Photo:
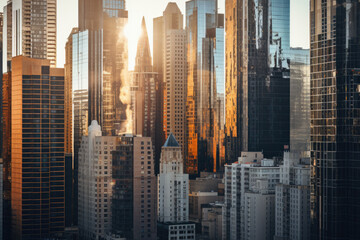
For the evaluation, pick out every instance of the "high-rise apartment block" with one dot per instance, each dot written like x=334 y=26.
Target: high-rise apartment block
x=95 y=184
x=257 y=77
x=249 y=186
x=170 y=62
x=38 y=141
x=30 y=30
x=292 y=199
x=134 y=205
x=173 y=184
x=335 y=118
x=205 y=68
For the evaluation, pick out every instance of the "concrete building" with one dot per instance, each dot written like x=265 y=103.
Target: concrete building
x=95 y=184
x=240 y=178
x=293 y=199
x=170 y=63
x=169 y=49
x=207 y=182
x=173 y=184
x=169 y=231
x=30 y=30
x=37 y=106
x=134 y=205
x=211 y=222
x=197 y=200
x=259 y=212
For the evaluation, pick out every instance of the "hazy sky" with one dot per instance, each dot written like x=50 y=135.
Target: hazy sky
x=68 y=11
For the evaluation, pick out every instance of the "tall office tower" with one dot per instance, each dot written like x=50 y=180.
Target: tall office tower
x=173 y=184
x=134 y=188
x=7 y=37
x=170 y=61
x=204 y=36
x=143 y=89
x=6 y=152
x=243 y=177
x=335 y=117
x=104 y=59
x=292 y=198
x=37 y=149
x=300 y=101
x=257 y=77
x=95 y=183
x=30 y=30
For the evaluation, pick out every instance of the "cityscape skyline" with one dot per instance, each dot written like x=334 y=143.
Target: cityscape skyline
x=191 y=119
x=68 y=19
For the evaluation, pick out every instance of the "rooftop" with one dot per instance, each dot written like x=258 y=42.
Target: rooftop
x=171 y=141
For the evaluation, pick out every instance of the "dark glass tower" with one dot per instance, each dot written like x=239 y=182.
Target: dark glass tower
x=335 y=119
x=38 y=149
x=257 y=77
x=205 y=34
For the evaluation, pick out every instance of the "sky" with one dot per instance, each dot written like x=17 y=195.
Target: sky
x=67 y=18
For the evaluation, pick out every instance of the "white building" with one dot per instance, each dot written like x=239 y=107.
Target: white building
x=259 y=217
x=173 y=184
x=95 y=183
x=293 y=199
x=240 y=178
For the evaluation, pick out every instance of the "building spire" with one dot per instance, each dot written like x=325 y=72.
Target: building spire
x=143 y=61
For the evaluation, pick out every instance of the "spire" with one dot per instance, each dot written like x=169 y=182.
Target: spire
x=171 y=141
x=143 y=56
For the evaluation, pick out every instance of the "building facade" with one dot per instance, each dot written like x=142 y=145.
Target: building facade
x=144 y=92
x=95 y=184
x=134 y=188
x=335 y=115
x=242 y=178
x=37 y=145
x=292 y=198
x=30 y=30
x=173 y=184
x=300 y=101
x=204 y=37
x=257 y=77
x=170 y=64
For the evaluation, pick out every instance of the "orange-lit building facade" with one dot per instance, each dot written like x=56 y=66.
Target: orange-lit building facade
x=38 y=142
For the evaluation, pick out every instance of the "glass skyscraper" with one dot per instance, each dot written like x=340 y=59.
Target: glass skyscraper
x=205 y=48
x=335 y=119
x=257 y=77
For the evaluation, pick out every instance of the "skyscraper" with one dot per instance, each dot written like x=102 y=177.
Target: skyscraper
x=95 y=188
x=173 y=184
x=32 y=30
x=204 y=28
x=170 y=63
x=300 y=101
x=104 y=48
x=38 y=149
x=134 y=188
x=257 y=77
x=143 y=89
x=335 y=118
